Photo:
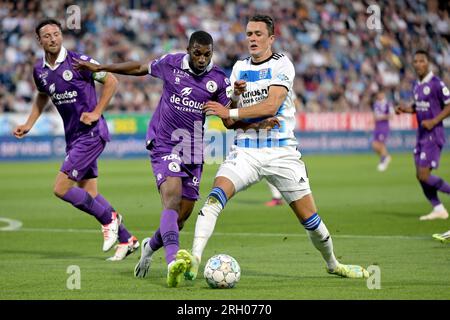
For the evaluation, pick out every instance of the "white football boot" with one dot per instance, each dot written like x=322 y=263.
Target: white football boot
x=435 y=214
x=141 y=268
x=125 y=249
x=382 y=166
x=111 y=231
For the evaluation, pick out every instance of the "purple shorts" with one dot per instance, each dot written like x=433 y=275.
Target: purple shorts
x=427 y=152
x=381 y=131
x=81 y=158
x=380 y=136
x=165 y=164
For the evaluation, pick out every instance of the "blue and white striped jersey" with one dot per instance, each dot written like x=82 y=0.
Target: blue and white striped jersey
x=277 y=70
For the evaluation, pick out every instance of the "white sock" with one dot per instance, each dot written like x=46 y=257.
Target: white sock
x=204 y=227
x=321 y=239
x=275 y=193
x=439 y=207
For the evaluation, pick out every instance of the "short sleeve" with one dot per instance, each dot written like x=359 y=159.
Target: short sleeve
x=443 y=94
x=391 y=109
x=86 y=74
x=98 y=76
x=225 y=92
x=156 y=67
x=233 y=76
x=38 y=82
x=283 y=74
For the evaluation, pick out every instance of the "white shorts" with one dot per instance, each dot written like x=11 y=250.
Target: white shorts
x=281 y=166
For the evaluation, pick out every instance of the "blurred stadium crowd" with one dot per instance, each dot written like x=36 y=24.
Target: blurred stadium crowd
x=339 y=61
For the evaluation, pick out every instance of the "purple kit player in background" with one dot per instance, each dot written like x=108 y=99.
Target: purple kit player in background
x=432 y=106
x=382 y=112
x=86 y=132
x=190 y=80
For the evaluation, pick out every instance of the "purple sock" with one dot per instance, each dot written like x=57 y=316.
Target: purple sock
x=124 y=235
x=83 y=201
x=169 y=233
x=156 y=241
x=439 y=184
x=431 y=194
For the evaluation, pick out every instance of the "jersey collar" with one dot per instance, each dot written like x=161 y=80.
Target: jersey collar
x=426 y=78
x=261 y=62
x=185 y=66
x=60 y=59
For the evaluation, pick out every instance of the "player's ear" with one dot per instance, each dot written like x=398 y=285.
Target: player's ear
x=272 y=38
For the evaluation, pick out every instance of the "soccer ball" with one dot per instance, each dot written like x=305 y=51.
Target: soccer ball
x=222 y=271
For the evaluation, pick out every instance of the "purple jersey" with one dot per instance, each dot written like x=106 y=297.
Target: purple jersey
x=72 y=92
x=179 y=115
x=430 y=97
x=382 y=108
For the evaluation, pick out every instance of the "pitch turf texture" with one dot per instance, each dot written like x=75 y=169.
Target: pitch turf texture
x=372 y=216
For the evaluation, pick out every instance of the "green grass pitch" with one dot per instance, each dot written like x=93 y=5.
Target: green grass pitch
x=372 y=216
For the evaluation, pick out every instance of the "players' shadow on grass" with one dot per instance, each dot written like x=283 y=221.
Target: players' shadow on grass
x=397 y=213
x=247 y=201
x=280 y=277
x=44 y=254
x=153 y=278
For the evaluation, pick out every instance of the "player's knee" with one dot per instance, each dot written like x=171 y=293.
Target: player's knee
x=173 y=202
x=422 y=176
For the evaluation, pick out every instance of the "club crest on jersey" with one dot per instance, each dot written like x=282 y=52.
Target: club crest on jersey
x=174 y=167
x=426 y=90
x=445 y=91
x=67 y=75
x=211 y=86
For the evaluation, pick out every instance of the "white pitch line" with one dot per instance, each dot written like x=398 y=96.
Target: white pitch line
x=241 y=234
x=13 y=225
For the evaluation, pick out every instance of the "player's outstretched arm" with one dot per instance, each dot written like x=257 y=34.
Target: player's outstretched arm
x=266 y=108
x=131 y=68
x=382 y=117
x=404 y=109
x=36 y=110
x=110 y=83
